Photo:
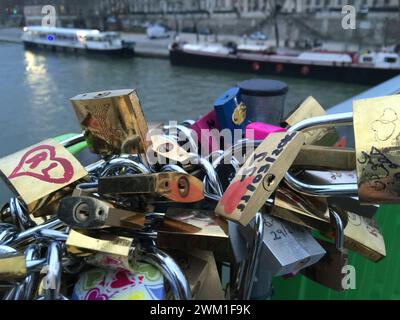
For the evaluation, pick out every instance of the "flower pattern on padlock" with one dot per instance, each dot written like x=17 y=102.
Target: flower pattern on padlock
x=144 y=283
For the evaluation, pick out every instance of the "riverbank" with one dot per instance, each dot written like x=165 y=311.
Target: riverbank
x=158 y=48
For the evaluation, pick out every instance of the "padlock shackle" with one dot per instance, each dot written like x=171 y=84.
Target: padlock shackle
x=321 y=190
x=73 y=140
x=338 y=119
x=331 y=190
x=159 y=259
x=339 y=228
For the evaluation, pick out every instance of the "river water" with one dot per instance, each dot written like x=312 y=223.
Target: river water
x=36 y=87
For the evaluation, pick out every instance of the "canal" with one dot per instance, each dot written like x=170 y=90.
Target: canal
x=36 y=87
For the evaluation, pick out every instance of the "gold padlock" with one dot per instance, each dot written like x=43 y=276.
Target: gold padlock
x=113 y=121
x=310 y=108
x=259 y=177
x=362 y=235
x=176 y=186
x=83 y=245
x=377 y=122
x=12 y=266
x=321 y=157
x=38 y=173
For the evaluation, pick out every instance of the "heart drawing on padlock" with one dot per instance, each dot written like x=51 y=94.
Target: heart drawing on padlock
x=234 y=194
x=42 y=155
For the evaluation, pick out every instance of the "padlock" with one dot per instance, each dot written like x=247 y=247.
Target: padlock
x=362 y=235
x=320 y=157
x=83 y=245
x=260 y=130
x=167 y=150
x=231 y=112
x=310 y=212
x=199 y=229
x=37 y=172
x=310 y=108
x=175 y=186
x=375 y=154
x=113 y=121
x=14 y=265
x=90 y=213
x=329 y=270
x=287 y=248
x=259 y=177
x=351 y=204
x=195 y=266
x=207 y=129
x=377 y=148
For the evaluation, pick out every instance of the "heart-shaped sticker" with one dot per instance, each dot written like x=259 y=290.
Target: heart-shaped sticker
x=42 y=155
x=234 y=194
x=121 y=279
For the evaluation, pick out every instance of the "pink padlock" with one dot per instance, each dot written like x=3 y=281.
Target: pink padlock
x=260 y=130
x=203 y=128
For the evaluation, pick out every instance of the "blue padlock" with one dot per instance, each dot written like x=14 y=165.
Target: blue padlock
x=231 y=111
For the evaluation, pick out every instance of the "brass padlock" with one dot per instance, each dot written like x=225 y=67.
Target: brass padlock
x=363 y=236
x=167 y=149
x=16 y=266
x=376 y=127
x=310 y=108
x=175 y=186
x=310 y=212
x=113 y=121
x=259 y=177
x=320 y=157
x=377 y=122
x=84 y=245
x=195 y=266
x=38 y=172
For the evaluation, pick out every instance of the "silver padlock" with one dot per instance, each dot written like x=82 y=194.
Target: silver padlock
x=287 y=248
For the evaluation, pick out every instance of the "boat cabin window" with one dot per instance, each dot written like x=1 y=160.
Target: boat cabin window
x=367 y=59
x=391 y=59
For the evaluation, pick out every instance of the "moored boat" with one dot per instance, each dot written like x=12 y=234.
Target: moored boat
x=76 y=40
x=369 y=68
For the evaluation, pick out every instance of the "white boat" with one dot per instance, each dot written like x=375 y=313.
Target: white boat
x=75 y=40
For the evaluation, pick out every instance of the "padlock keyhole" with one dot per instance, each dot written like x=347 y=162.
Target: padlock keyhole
x=268 y=181
x=81 y=213
x=183 y=186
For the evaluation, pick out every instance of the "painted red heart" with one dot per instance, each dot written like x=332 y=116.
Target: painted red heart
x=234 y=194
x=37 y=158
x=95 y=294
x=121 y=279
